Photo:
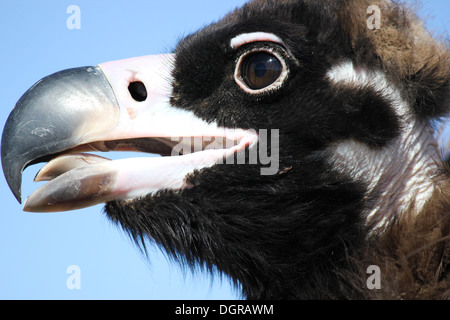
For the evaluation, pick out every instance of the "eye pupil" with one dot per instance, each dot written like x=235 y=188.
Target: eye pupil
x=260 y=70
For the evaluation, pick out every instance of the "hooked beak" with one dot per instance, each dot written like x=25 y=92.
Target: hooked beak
x=116 y=106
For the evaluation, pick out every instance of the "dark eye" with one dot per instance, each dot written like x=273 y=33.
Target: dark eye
x=258 y=70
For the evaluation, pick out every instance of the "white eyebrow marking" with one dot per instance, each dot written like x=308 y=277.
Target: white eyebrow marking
x=245 y=38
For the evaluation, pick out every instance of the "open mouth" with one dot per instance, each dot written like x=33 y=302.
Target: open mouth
x=79 y=157
x=78 y=179
x=65 y=117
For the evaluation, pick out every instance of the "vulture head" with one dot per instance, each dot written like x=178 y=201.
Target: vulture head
x=296 y=142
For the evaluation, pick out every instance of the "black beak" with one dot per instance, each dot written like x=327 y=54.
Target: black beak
x=46 y=119
x=116 y=106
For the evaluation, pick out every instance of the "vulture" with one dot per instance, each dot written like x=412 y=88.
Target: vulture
x=296 y=142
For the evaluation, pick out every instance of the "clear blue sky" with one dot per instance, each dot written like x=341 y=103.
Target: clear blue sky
x=36 y=249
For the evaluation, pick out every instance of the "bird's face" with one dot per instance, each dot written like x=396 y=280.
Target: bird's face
x=225 y=89
x=229 y=87
x=278 y=125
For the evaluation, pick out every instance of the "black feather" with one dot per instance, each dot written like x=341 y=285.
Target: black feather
x=300 y=233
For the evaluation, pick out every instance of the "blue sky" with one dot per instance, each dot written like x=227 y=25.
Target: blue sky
x=36 y=249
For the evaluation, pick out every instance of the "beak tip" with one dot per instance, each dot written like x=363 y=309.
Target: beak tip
x=19 y=198
x=12 y=171
x=16 y=189
x=15 y=185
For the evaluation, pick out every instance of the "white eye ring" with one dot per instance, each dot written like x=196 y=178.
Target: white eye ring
x=274 y=85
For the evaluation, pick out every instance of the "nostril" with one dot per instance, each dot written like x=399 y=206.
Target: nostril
x=138 y=91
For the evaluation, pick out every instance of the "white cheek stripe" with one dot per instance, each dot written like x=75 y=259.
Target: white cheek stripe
x=246 y=38
x=402 y=172
x=346 y=73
